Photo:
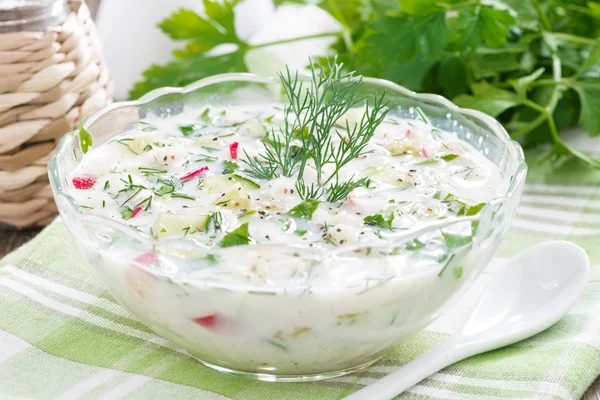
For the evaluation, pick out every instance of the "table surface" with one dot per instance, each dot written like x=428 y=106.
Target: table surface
x=10 y=240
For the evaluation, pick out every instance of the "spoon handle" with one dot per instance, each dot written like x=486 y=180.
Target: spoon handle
x=439 y=357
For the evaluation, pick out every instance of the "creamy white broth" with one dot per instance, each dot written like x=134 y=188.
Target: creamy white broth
x=409 y=178
x=341 y=289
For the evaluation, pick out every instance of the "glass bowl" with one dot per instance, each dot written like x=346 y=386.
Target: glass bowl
x=303 y=330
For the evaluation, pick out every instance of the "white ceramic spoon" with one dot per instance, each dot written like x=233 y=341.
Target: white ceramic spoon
x=531 y=293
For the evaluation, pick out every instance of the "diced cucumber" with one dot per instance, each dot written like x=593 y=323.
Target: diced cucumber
x=224 y=183
x=211 y=141
x=236 y=197
x=390 y=174
x=253 y=128
x=178 y=225
x=141 y=142
x=404 y=146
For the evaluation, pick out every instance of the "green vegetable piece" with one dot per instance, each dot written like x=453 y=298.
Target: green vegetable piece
x=445 y=157
x=85 y=138
x=300 y=331
x=473 y=210
x=126 y=213
x=247 y=213
x=230 y=167
x=414 y=245
x=236 y=237
x=380 y=220
x=458 y=272
x=187 y=130
x=205 y=116
x=245 y=181
x=456 y=241
x=449 y=157
x=304 y=210
x=276 y=344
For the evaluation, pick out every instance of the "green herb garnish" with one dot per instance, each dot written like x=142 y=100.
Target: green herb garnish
x=182 y=196
x=237 y=237
x=215 y=220
x=276 y=344
x=458 y=272
x=205 y=116
x=433 y=160
x=230 y=167
x=151 y=171
x=314 y=110
x=206 y=158
x=305 y=209
x=384 y=221
x=187 y=130
x=473 y=210
x=85 y=138
x=247 y=213
x=125 y=143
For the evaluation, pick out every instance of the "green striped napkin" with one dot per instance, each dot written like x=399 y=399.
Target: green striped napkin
x=63 y=337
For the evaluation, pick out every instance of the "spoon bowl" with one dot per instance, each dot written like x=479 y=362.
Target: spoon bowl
x=531 y=293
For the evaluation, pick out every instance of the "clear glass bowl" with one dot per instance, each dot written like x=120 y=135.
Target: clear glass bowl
x=300 y=331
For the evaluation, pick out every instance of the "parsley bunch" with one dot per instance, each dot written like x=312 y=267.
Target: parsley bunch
x=533 y=64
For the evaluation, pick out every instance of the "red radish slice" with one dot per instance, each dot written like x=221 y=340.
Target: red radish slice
x=424 y=152
x=147 y=258
x=233 y=150
x=135 y=211
x=84 y=182
x=194 y=174
x=208 y=321
x=219 y=323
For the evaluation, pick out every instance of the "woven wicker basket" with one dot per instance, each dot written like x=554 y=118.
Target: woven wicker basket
x=48 y=81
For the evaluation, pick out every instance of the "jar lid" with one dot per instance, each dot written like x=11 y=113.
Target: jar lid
x=31 y=15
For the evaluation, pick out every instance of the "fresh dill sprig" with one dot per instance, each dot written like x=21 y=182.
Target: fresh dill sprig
x=339 y=191
x=310 y=120
x=216 y=220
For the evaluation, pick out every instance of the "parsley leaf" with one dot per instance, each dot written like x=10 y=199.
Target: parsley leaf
x=305 y=209
x=187 y=68
x=187 y=130
x=473 y=210
x=194 y=63
x=489 y=99
x=589 y=95
x=236 y=237
x=85 y=138
x=455 y=241
x=207 y=32
x=380 y=220
x=230 y=167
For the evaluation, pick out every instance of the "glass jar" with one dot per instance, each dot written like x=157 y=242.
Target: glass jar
x=31 y=15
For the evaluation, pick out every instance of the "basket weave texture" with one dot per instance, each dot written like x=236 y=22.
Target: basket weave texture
x=48 y=81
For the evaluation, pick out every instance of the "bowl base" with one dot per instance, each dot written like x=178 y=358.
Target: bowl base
x=266 y=377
